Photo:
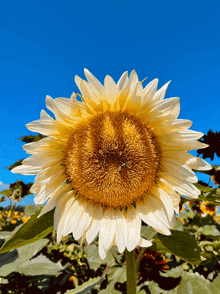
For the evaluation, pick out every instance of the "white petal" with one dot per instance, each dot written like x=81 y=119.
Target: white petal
x=122 y=81
x=149 y=92
x=107 y=228
x=45 y=144
x=94 y=82
x=60 y=207
x=133 y=79
x=44 y=159
x=155 y=218
x=45 y=116
x=111 y=90
x=144 y=243
x=181 y=185
x=66 y=208
x=49 y=128
x=95 y=226
x=75 y=209
x=27 y=170
x=88 y=95
x=59 y=192
x=160 y=94
x=175 y=197
x=159 y=196
x=134 y=228
x=136 y=98
x=181 y=145
x=121 y=231
x=159 y=109
x=83 y=221
x=176 y=167
x=198 y=163
x=128 y=89
x=171 y=126
x=50 y=174
x=185 y=135
x=102 y=251
x=78 y=215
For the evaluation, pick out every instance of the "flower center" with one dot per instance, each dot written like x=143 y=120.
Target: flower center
x=112 y=159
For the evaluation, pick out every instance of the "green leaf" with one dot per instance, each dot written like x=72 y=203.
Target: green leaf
x=179 y=225
x=17 y=163
x=31 y=209
x=209 y=194
x=93 y=257
x=155 y=289
x=31 y=138
x=175 y=272
x=180 y=244
x=191 y=283
x=2 y=199
x=5 y=192
x=209 y=231
x=115 y=275
x=196 y=283
x=216 y=285
x=86 y=287
x=147 y=232
x=40 y=265
x=24 y=254
x=204 y=188
x=8 y=257
x=34 y=229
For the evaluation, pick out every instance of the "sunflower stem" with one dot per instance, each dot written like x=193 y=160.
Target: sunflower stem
x=131 y=272
x=139 y=259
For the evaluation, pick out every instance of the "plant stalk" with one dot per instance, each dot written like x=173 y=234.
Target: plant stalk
x=131 y=272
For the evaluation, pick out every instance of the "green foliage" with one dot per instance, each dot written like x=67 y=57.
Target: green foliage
x=116 y=276
x=86 y=287
x=35 y=229
x=5 y=192
x=17 y=163
x=179 y=243
x=209 y=231
x=40 y=265
x=94 y=259
x=190 y=283
x=2 y=199
x=31 y=209
x=209 y=194
x=147 y=232
x=22 y=255
x=31 y=138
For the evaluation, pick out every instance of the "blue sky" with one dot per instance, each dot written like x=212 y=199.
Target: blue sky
x=46 y=43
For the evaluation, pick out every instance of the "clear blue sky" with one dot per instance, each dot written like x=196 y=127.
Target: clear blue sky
x=46 y=43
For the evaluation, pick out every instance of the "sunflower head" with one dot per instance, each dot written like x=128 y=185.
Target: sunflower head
x=17 y=191
x=195 y=207
x=113 y=159
x=151 y=263
x=208 y=207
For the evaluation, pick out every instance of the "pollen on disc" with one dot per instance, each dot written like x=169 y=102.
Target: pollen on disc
x=112 y=159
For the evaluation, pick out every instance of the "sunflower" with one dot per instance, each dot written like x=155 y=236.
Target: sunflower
x=151 y=263
x=195 y=207
x=208 y=207
x=114 y=159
